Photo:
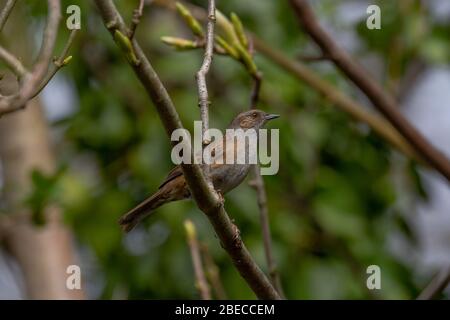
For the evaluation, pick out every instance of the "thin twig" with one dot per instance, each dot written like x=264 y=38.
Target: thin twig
x=46 y=53
x=258 y=184
x=317 y=58
x=4 y=15
x=438 y=284
x=33 y=79
x=256 y=89
x=13 y=63
x=362 y=79
x=360 y=113
x=206 y=199
x=58 y=63
x=344 y=102
x=212 y=272
x=203 y=99
x=67 y=46
x=200 y=279
x=137 y=15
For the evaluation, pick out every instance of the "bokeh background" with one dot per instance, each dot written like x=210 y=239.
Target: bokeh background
x=342 y=200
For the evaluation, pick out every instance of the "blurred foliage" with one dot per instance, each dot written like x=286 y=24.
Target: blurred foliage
x=333 y=205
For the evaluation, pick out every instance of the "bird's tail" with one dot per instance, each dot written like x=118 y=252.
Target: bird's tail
x=129 y=220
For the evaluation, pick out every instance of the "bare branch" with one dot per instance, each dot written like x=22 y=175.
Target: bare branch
x=60 y=62
x=4 y=15
x=206 y=199
x=45 y=55
x=203 y=98
x=65 y=50
x=258 y=184
x=256 y=89
x=360 y=113
x=13 y=63
x=137 y=15
x=379 y=125
x=361 y=78
x=201 y=283
x=316 y=58
x=32 y=80
x=438 y=284
x=212 y=272
x=201 y=74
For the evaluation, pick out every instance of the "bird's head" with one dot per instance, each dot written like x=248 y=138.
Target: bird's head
x=253 y=119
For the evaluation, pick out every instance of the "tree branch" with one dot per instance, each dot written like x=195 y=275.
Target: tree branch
x=438 y=284
x=378 y=124
x=312 y=58
x=33 y=79
x=203 y=99
x=383 y=128
x=60 y=62
x=137 y=15
x=13 y=63
x=46 y=52
x=258 y=184
x=256 y=89
x=4 y=15
x=200 y=279
x=212 y=271
x=207 y=200
x=362 y=79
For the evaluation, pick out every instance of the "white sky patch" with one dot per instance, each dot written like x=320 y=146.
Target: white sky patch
x=59 y=98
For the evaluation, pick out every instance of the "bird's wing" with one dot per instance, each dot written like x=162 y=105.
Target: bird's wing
x=219 y=154
x=174 y=173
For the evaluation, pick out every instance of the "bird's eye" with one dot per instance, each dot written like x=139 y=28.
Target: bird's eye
x=254 y=114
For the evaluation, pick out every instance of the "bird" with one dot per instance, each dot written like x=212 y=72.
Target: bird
x=225 y=177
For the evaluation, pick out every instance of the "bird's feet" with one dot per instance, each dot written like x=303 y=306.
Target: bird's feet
x=221 y=197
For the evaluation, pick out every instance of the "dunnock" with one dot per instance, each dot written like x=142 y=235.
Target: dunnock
x=225 y=177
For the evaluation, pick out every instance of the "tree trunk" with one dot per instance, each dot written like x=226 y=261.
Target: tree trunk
x=43 y=252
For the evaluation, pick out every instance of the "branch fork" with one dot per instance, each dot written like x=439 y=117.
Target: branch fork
x=206 y=199
x=32 y=82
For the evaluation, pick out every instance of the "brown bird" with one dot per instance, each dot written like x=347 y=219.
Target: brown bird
x=225 y=177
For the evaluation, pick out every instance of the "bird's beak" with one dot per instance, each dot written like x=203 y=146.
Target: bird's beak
x=271 y=116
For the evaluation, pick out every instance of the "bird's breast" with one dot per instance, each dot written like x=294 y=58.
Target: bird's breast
x=228 y=176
